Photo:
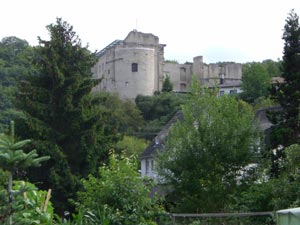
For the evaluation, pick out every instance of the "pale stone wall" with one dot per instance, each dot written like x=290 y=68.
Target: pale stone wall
x=180 y=75
x=130 y=84
x=114 y=66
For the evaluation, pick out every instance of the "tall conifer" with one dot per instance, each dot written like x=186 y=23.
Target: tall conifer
x=288 y=92
x=60 y=114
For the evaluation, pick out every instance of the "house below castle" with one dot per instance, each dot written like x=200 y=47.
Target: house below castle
x=136 y=66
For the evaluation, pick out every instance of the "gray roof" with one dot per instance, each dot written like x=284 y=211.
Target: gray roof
x=158 y=141
x=261 y=116
x=111 y=45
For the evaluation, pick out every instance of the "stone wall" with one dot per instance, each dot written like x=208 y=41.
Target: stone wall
x=115 y=64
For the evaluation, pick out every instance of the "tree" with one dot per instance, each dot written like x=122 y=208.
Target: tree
x=30 y=205
x=61 y=116
x=287 y=93
x=15 y=55
x=13 y=158
x=272 y=67
x=255 y=81
x=157 y=110
x=131 y=146
x=120 y=194
x=124 y=116
x=167 y=85
x=206 y=151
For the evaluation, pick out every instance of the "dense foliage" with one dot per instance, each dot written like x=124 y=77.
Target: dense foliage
x=255 y=81
x=206 y=152
x=61 y=116
x=279 y=179
x=30 y=205
x=287 y=93
x=15 y=57
x=12 y=160
x=157 y=110
x=167 y=85
x=120 y=194
x=207 y=162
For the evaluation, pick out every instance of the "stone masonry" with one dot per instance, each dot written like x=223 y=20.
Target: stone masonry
x=136 y=66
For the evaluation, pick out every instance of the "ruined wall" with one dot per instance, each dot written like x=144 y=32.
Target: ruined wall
x=180 y=75
x=115 y=66
x=115 y=63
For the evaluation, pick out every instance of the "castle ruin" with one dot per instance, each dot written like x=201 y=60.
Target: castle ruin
x=136 y=66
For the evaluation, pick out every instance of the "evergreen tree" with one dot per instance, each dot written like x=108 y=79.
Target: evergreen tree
x=288 y=92
x=167 y=85
x=12 y=159
x=61 y=116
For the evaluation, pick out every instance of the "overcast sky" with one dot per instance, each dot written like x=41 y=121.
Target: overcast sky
x=219 y=30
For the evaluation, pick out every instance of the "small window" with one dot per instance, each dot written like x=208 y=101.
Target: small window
x=222 y=77
x=108 y=71
x=232 y=92
x=134 y=67
x=221 y=93
x=126 y=84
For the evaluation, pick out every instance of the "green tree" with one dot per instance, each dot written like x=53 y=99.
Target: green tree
x=167 y=85
x=124 y=116
x=120 y=194
x=157 y=110
x=272 y=67
x=255 y=81
x=13 y=158
x=274 y=194
x=131 y=146
x=30 y=205
x=287 y=94
x=61 y=116
x=15 y=56
x=206 y=151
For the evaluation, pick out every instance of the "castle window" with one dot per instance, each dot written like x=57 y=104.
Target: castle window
x=222 y=77
x=126 y=84
x=134 y=67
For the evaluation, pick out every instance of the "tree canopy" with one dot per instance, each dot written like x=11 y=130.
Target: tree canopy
x=287 y=93
x=206 y=151
x=61 y=116
x=167 y=85
x=255 y=81
x=15 y=56
x=120 y=194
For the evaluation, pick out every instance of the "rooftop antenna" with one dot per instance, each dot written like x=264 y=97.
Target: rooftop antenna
x=136 y=24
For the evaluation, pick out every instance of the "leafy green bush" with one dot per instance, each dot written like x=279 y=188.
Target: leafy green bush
x=30 y=205
x=120 y=195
